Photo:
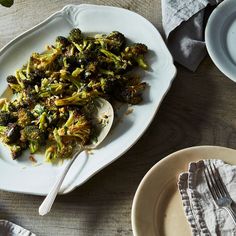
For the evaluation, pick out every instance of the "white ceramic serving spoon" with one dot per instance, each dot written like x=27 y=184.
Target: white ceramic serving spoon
x=104 y=113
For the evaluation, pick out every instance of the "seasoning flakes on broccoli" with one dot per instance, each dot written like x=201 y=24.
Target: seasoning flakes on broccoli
x=54 y=90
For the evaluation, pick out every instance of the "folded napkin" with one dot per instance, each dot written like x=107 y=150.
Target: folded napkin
x=184 y=22
x=10 y=229
x=204 y=217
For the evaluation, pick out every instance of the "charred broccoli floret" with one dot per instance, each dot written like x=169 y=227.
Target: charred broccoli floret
x=62 y=42
x=45 y=60
x=10 y=133
x=16 y=150
x=120 y=65
x=135 y=53
x=53 y=152
x=25 y=117
x=35 y=77
x=61 y=148
x=13 y=83
x=11 y=79
x=34 y=136
x=75 y=35
x=114 y=42
x=76 y=126
x=131 y=94
x=6 y=118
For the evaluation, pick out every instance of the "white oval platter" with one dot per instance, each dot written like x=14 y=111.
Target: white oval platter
x=20 y=175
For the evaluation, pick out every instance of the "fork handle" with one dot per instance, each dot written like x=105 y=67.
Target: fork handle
x=231 y=212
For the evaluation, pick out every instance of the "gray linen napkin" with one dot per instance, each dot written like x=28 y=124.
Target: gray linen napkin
x=183 y=22
x=204 y=217
x=10 y=229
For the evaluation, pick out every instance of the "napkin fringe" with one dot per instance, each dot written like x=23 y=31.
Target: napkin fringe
x=183 y=187
x=195 y=197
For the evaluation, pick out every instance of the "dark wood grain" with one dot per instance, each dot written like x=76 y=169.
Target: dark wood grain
x=200 y=109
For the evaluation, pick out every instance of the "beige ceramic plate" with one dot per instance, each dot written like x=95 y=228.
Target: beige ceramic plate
x=157 y=208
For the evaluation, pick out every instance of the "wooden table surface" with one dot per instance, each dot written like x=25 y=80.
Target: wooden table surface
x=199 y=109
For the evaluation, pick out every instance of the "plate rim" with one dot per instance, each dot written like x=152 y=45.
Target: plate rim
x=155 y=167
x=84 y=6
x=208 y=36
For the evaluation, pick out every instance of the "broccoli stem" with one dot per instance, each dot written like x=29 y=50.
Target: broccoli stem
x=33 y=146
x=70 y=120
x=141 y=62
x=42 y=121
x=110 y=55
x=79 y=98
x=57 y=139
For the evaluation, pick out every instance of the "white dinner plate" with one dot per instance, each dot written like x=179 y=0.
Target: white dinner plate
x=220 y=36
x=157 y=208
x=21 y=175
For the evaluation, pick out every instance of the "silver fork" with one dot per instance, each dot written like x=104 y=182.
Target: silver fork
x=218 y=190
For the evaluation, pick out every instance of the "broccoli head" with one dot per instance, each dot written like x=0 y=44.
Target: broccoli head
x=6 y=118
x=53 y=152
x=10 y=133
x=35 y=77
x=115 y=41
x=13 y=83
x=131 y=94
x=135 y=54
x=114 y=62
x=62 y=42
x=76 y=126
x=61 y=148
x=75 y=35
x=34 y=136
x=44 y=60
x=11 y=79
x=16 y=150
x=25 y=117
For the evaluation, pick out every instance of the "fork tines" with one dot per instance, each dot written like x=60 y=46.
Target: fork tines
x=214 y=181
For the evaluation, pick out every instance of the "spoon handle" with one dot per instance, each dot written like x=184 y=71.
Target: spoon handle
x=46 y=205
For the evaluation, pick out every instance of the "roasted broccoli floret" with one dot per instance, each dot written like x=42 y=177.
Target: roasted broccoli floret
x=11 y=79
x=76 y=130
x=45 y=60
x=135 y=53
x=13 y=83
x=61 y=148
x=34 y=136
x=62 y=42
x=25 y=117
x=54 y=153
x=16 y=150
x=131 y=94
x=9 y=133
x=114 y=42
x=35 y=77
x=75 y=35
x=6 y=118
x=120 y=65
x=76 y=126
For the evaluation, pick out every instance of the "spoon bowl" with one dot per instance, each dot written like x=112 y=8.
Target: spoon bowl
x=103 y=118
